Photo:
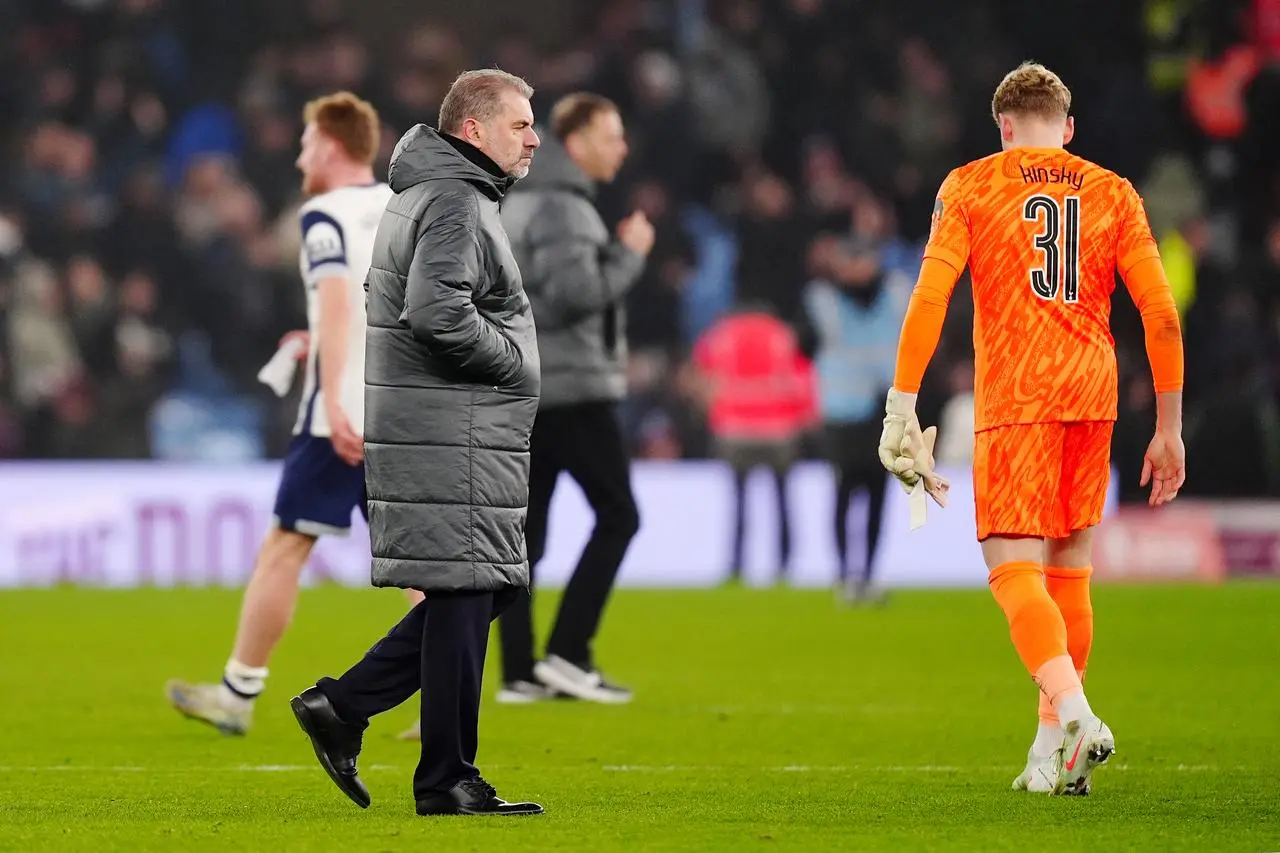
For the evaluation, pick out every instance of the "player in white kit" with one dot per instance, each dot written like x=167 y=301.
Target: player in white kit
x=323 y=477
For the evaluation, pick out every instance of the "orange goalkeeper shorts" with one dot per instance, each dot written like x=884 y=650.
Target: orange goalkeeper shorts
x=1042 y=480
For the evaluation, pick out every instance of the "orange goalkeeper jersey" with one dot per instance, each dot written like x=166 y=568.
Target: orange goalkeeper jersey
x=1043 y=233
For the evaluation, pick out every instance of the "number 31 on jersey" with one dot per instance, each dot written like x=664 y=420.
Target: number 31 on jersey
x=1059 y=241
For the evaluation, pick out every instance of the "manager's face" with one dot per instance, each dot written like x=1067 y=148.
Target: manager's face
x=508 y=137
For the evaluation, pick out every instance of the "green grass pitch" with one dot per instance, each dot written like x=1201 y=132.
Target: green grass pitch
x=764 y=720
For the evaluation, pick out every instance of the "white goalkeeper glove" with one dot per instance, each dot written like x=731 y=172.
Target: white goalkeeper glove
x=907 y=453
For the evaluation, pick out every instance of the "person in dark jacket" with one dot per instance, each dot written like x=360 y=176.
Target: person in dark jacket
x=577 y=278
x=452 y=380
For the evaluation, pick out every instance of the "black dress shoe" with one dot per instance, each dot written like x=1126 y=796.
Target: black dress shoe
x=337 y=744
x=474 y=797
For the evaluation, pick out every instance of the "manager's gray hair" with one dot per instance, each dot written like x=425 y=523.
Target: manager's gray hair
x=477 y=94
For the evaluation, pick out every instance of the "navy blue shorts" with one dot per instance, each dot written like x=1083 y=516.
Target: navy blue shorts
x=318 y=490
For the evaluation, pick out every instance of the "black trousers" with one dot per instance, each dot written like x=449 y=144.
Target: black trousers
x=744 y=456
x=439 y=648
x=851 y=448
x=584 y=440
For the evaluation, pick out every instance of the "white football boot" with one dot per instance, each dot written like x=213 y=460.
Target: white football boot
x=1040 y=774
x=1086 y=745
x=208 y=704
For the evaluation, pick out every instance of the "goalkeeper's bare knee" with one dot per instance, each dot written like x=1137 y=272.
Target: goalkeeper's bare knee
x=1072 y=551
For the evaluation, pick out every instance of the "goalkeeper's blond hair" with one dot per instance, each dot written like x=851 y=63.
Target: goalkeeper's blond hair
x=1031 y=90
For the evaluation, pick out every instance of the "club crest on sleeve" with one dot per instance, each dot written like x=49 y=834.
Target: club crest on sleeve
x=937 y=216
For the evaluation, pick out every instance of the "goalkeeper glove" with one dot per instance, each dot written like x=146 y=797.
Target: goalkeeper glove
x=899 y=415
x=907 y=454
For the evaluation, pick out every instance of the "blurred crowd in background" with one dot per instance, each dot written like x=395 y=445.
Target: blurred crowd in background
x=783 y=149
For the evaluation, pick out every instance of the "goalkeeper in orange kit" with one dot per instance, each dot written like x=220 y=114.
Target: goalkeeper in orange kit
x=1043 y=233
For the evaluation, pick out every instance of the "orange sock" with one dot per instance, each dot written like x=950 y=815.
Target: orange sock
x=1035 y=625
x=1069 y=588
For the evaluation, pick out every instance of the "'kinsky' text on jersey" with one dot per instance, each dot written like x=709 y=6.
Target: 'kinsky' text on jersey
x=1051 y=175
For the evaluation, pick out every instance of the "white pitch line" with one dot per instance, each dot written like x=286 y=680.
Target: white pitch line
x=818 y=710
x=607 y=768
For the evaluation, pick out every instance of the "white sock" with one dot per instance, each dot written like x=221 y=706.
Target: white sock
x=242 y=684
x=1048 y=740
x=1072 y=708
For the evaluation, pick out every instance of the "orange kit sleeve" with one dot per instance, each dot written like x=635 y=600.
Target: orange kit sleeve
x=1150 y=291
x=1138 y=260
x=922 y=327
x=945 y=256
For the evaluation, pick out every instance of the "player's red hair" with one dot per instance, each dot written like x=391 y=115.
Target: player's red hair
x=352 y=122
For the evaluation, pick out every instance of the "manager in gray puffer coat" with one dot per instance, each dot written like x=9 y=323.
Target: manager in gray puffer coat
x=451 y=389
x=577 y=276
x=451 y=377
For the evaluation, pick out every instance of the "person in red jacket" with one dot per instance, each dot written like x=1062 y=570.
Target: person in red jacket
x=760 y=400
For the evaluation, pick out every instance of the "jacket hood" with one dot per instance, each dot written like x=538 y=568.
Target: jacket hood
x=554 y=169
x=422 y=154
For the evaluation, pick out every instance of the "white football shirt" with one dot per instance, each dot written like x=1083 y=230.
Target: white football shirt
x=338 y=230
